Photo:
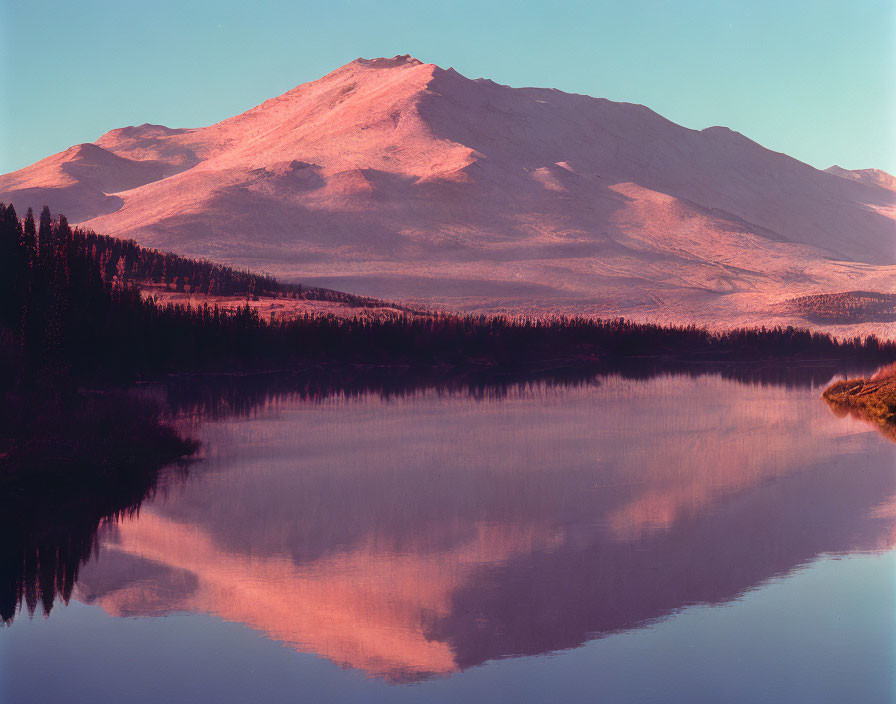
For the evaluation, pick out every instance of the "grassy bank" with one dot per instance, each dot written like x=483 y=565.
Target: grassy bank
x=873 y=399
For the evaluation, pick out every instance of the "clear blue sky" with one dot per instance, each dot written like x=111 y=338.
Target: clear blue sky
x=813 y=78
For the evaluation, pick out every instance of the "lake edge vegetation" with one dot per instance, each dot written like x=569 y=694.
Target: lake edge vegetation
x=872 y=399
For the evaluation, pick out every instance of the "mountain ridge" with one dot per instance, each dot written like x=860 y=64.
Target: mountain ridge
x=400 y=179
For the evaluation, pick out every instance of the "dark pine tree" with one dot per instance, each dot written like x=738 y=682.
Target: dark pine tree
x=45 y=232
x=29 y=238
x=10 y=266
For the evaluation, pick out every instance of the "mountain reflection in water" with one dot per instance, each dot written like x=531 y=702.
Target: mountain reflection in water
x=422 y=534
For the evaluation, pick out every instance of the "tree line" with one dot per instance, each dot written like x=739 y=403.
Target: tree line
x=71 y=311
x=126 y=261
x=846 y=307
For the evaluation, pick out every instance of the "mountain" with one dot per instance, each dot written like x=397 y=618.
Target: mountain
x=399 y=179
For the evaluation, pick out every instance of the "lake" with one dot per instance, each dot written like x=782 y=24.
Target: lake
x=677 y=538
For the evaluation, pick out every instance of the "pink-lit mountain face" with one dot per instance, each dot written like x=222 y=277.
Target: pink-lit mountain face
x=399 y=179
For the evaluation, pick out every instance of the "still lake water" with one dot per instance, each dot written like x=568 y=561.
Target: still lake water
x=675 y=539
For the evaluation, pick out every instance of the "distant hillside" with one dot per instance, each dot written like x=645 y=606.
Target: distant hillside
x=874 y=177
x=171 y=278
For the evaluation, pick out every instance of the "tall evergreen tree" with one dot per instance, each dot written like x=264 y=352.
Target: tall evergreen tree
x=29 y=238
x=10 y=294
x=45 y=232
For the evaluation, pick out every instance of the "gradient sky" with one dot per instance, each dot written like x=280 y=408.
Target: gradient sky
x=812 y=78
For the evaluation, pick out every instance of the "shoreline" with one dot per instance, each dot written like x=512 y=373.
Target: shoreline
x=872 y=399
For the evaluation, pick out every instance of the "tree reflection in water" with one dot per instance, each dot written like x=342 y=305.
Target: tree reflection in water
x=411 y=528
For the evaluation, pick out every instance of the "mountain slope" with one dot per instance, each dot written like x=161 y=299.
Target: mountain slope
x=390 y=177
